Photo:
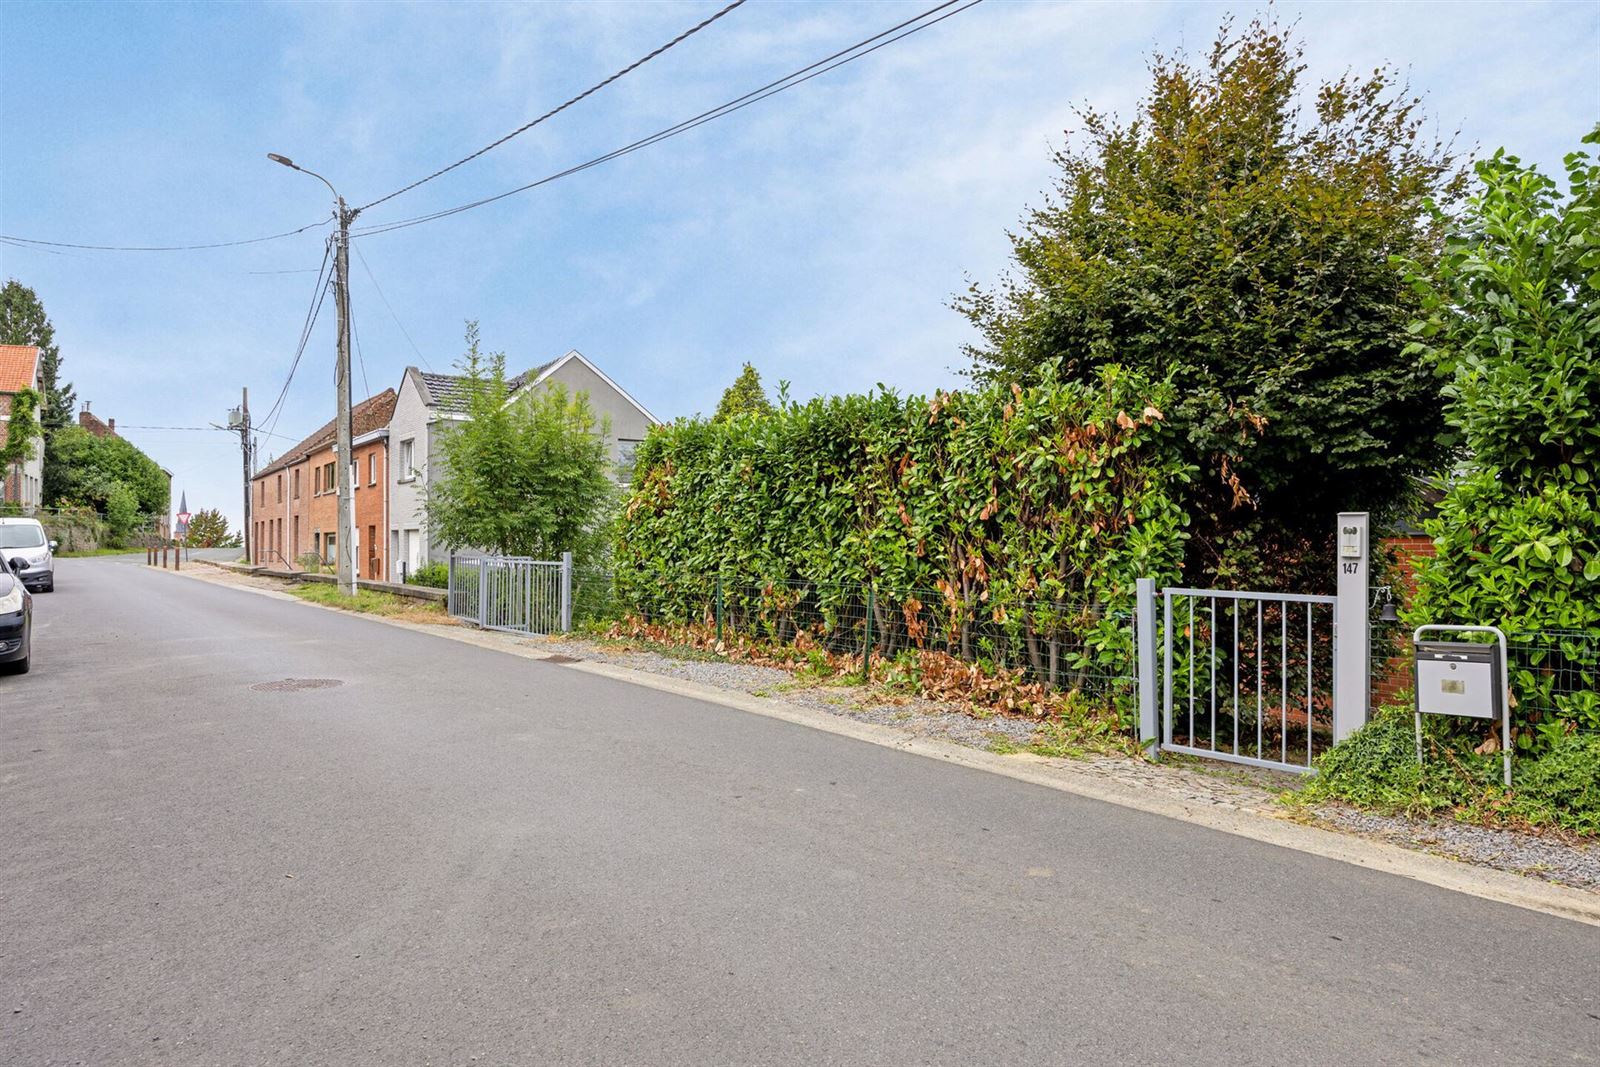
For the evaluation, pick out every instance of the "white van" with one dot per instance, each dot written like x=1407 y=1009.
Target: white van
x=23 y=539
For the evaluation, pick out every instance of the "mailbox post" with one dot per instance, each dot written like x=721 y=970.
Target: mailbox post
x=1464 y=678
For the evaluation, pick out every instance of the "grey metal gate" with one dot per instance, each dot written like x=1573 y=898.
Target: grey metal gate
x=512 y=593
x=1248 y=677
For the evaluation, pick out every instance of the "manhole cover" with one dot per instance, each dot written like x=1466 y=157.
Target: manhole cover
x=295 y=685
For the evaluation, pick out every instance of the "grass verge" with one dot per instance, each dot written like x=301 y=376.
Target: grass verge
x=372 y=602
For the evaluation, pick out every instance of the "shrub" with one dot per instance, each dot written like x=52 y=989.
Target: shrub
x=1512 y=314
x=433 y=575
x=1024 y=513
x=1563 y=785
x=1377 y=768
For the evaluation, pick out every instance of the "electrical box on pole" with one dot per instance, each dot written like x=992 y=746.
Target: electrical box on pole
x=1352 y=645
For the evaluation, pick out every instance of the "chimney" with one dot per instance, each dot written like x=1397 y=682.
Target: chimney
x=112 y=423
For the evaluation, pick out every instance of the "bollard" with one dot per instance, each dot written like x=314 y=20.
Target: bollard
x=163 y=555
x=177 y=557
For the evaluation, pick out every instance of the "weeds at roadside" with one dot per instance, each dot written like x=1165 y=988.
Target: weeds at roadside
x=371 y=602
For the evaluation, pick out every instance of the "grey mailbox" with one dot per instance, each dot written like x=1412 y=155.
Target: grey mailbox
x=1463 y=678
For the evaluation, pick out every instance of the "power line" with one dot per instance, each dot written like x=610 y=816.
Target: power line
x=629 y=69
x=374 y=279
x=305 y=335
x=34 y=242
x=207 y=429
x=804 y=74
x=361 y=358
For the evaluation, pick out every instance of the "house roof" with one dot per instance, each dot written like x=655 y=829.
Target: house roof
x=19 y=368
x=371 y=414
x=448 y=392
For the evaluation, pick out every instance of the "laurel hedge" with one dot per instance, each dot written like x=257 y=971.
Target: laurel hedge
x=996 y=506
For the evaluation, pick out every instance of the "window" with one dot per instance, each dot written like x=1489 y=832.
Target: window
x=280 y=488
x=328 y=483
x=407 y=459
x=372 y=467
x=296 y=487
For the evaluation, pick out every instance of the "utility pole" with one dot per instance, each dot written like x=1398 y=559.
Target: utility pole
x=240 y=421
x=341 y=274
x=347 y=526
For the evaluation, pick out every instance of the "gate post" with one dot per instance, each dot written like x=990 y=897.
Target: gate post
x=483 y=578
x=1145 y=658
x=566 y=592
x=1352 y=646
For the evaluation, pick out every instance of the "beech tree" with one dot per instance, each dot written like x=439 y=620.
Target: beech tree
x=1239 y=245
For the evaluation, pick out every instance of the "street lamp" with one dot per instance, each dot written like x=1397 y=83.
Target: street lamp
x=341 y=272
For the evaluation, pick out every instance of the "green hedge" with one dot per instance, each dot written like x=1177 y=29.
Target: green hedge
x=999 y=506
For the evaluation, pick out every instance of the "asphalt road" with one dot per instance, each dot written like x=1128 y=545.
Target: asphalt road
x=457 y=856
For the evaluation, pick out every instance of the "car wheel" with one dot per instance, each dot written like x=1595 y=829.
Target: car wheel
x=50 y=586
x=22 y=665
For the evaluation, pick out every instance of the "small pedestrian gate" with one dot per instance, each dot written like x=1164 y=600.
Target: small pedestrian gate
x=1248 y=677
x=512 y=593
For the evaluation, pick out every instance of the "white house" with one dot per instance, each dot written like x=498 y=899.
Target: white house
x=429 y=400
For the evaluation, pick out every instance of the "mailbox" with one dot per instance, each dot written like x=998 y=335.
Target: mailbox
x=1466 y=679
x=1459 y=678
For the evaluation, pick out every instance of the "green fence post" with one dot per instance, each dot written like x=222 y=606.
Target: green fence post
x=866 y=651
x=719 y=608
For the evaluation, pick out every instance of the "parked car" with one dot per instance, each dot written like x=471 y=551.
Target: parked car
x=16 y=621
x=24 y=540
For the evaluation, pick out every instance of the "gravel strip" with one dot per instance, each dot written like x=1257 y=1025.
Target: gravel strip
x=1544 y=856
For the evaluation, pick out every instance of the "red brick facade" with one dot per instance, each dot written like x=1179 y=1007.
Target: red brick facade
x=295 y=500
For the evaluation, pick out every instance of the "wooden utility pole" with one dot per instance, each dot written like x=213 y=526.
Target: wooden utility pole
x=243 y=426
x=341 y=272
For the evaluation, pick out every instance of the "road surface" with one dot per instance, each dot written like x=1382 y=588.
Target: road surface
x=456 y=856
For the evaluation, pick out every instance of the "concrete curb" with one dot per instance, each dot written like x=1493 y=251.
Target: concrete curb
x=1062 y=776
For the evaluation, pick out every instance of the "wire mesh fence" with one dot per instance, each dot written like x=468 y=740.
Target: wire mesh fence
x=1084 y=646
x=1555 y=677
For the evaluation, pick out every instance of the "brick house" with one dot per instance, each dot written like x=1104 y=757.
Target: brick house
x=294 y=500
x=22 y=484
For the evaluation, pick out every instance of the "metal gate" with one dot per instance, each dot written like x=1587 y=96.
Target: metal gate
x=1248 y=677
x=512 y=593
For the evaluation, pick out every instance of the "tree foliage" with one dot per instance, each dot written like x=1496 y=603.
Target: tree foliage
x=744 y=397
x=992 y=506
x=524 y=476
x=208 y=528
x=85 y=469
x=1239 y=245
x=1512 y=317
x=24 y=322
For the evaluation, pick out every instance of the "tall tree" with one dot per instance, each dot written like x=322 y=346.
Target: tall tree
x=521 y=477
x=1239 y=245
x=744 y=397
x=24 y=322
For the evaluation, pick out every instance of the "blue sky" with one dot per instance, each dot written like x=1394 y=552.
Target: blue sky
x=818 y=235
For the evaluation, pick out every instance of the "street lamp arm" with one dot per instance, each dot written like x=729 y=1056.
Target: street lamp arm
x=292 y=165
